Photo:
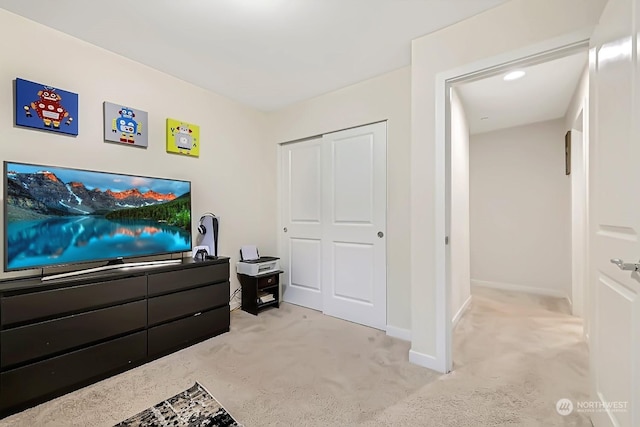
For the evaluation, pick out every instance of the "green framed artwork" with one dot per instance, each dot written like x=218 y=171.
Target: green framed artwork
x=183 y=138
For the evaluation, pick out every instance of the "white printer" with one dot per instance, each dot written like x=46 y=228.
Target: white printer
x=257 y=267
x=252 y=264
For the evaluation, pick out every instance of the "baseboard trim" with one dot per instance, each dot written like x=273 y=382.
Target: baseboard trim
x=460 y=312
x=400 y=333
x=520 y=288
x=426 y=361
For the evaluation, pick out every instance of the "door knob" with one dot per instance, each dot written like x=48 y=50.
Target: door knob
x=624 y=265
x=380 y=234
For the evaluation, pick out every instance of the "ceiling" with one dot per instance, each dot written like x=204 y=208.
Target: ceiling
x=544 y=93
x=264 y=53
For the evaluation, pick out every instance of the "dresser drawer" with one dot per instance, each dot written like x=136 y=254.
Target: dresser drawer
x=173 y=335
x=37 y=380
x=38 y=305
x=171 y=281
x=25 y=343
x=180 y=304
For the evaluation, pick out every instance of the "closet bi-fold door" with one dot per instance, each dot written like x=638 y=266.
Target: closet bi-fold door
x=334 y=224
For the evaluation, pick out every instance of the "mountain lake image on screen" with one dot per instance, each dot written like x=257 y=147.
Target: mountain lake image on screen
x=59 y=216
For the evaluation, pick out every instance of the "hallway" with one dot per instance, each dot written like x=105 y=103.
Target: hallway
x=526 y=352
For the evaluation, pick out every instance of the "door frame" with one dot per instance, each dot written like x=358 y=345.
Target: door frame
x=579 y=266
x=537 y=53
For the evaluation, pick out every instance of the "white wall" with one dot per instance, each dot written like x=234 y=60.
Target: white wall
x=460 y=266
x=386 y=97
x=234 y=154
x=510 y=31
x=520 y=202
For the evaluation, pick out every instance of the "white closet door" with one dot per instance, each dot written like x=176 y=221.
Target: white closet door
x=301 y=221
x=354 y=225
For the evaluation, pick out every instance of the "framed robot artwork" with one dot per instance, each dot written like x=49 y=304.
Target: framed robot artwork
x=183 y=138
x=45 y=107
x=125 y=125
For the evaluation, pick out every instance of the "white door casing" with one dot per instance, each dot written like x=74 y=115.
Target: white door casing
x=354 y=226
x=578 y=221
x=615 y=216
x=301 y=215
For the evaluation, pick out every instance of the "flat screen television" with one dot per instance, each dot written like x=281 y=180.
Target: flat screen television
x=56 y=216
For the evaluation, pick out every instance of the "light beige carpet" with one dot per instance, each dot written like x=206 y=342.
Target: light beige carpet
x=515 y=356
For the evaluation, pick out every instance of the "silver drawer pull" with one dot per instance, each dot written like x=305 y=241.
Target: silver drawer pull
x=625 y=266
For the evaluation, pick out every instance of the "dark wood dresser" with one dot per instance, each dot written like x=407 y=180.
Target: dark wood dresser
x=60 y=335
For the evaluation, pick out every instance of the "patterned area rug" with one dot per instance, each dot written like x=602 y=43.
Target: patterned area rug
x=194 y=407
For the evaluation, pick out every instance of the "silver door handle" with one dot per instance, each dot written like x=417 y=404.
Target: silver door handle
x=625 y=266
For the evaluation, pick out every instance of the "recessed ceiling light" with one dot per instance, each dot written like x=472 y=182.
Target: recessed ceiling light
x=514 y=75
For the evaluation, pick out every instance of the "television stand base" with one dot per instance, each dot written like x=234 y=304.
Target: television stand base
x=110 y=266
x=62 y=335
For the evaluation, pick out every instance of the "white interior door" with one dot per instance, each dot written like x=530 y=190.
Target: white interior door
x=354 y=225
x=615 y=215
x=301 y=165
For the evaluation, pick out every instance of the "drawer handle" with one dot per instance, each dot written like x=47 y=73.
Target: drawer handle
x=270 y=280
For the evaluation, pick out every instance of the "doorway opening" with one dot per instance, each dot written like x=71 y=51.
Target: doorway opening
x=514 y=219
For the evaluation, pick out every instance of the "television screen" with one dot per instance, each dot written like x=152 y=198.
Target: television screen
x=57 y=216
